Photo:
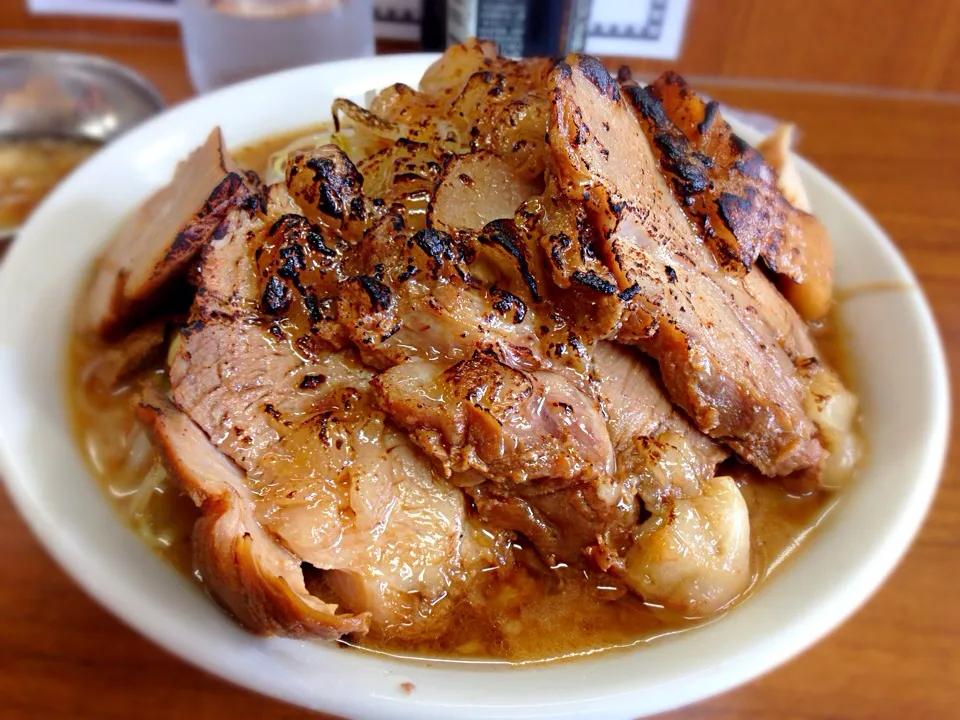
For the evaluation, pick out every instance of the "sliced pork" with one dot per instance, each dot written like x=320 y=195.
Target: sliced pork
x=475 y=190
x=726 y=370
x=523 y=306
x=505 y=424
x=728 y=190
x=120 y=361
x=655 y=443
x=418 y=295
x=249 y=571
x=590 y=521
x=156 y=245
x=333 y=480
x=658 y=458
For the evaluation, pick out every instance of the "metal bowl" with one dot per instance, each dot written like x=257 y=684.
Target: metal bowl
x=70 y=95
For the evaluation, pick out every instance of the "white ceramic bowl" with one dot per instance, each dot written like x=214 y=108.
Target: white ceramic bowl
x=898 y=362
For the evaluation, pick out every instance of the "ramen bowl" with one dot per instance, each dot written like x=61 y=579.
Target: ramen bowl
x=841 y=563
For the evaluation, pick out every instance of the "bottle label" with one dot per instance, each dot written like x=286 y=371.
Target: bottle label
x=521 y=27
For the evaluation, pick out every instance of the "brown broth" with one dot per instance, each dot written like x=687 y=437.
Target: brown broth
x=255 y=155
x=521 y=613
x=109 y=435
x=29 y=169
x=531 y=613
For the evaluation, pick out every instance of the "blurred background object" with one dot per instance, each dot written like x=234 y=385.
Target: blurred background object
x=71 y=95
x=642 y=28
x=55 y=110
x=522 y=28
x=231 y=40
x=896 y=44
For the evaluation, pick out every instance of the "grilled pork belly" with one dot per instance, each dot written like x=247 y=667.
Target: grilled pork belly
x=332 y=481
x=732 y=195
x=156 y=245
x=719 y=361
x=503 y=307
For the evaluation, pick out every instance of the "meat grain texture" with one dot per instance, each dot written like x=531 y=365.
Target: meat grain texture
x=522 y=302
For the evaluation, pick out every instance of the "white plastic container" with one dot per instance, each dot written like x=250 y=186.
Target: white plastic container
x=231 y=40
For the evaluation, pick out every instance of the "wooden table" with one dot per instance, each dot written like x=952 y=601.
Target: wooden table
x=61 y=655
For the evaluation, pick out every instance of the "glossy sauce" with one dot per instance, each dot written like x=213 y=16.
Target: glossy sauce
x=519 y=613
x=256 y=155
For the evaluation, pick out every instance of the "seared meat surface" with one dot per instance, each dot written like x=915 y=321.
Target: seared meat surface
x=719 y=359
x=332 y=480
x=480 y=414
x=521 y=305
x=156 y=245
x=728 y=190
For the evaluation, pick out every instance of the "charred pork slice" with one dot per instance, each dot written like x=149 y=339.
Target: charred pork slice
x=660 y=458
x=419 y=295
x=248 y=570
x=156 y=244
x=726 y=188
x=655 y=443
x=718 y=359
x=334 y=482
x=587 y=295
x=506 y=424
x=565 y=523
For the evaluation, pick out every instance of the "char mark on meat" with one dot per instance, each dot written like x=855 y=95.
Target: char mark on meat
x=155 y=246
x=732 y=195
x=718 y=361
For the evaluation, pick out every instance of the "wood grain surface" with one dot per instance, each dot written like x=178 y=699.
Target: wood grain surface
x=62 y=656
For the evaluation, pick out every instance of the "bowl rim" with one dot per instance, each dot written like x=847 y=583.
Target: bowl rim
x=744 y=665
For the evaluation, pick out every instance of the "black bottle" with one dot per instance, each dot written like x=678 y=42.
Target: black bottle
x=522 y=28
